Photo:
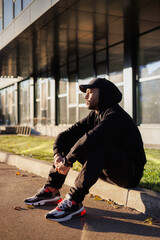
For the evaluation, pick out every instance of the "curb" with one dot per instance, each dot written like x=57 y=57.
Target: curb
x=142 y=200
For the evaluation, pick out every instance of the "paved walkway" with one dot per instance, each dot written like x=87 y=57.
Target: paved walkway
x=103 y=221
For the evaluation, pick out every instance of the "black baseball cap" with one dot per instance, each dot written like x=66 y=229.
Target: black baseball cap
x=94 y=83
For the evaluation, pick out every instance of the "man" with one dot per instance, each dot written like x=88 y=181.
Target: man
x=108 y=145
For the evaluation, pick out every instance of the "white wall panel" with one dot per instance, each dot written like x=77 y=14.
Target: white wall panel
x=38 y=8
x=22 y=21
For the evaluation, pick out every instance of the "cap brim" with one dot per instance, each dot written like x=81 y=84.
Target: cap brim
x=83 y=88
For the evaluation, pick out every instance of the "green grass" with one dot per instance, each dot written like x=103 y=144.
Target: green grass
x=42 y=148
x=151 y=176
x=36 y=147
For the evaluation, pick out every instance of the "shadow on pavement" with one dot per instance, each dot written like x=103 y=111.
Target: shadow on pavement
x=151 y=203
x=97 y=220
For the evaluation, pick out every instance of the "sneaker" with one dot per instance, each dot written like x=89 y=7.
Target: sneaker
x=66 y=210
x=44 y=197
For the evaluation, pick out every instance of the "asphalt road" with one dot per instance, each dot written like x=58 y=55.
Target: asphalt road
x=103 y=221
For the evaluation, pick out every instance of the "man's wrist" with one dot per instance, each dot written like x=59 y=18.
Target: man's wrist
x=66 y=162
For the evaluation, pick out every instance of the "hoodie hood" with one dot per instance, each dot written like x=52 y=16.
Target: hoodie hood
x=109 y=94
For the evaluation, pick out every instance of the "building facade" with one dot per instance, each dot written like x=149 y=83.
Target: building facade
x=48 y=47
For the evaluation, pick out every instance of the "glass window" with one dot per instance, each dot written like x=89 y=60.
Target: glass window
x=8 y=12
x=13 y=117
x=63 y=110
x=149 y=16
x=63 y=80
x=26 y=3
x=149 y=102
x=72 y=66
x=101 y=70
x=83 y=112
x=24 y=102
x=43 y=96
x=7 y=114
x=72 y=115
x=49 y=87
x=17 y=7
x=3 y=104
x=116 y=63
x=37 y=89
x=149 y=56
x=43 y=105
x=10 y=103
x=101 y=56
x=149 y=78
x=72 y=89
x=63 y=85
x=82 y=98
x=0 y=24
x=6 y=96
x=86 y=68
x=49 y=111
x=38 y=109
x=1 y=15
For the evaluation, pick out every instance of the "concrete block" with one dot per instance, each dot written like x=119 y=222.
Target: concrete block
x=145 y=201
x=110 y=191
x=71 y=177
x=34 y=166
x=134 y=200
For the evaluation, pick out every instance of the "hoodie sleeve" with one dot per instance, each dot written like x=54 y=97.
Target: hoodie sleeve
x=75 y=131
x=106 y=131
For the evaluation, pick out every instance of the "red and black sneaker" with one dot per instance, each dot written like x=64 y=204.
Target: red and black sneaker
x=66 y=210
x=44 y=197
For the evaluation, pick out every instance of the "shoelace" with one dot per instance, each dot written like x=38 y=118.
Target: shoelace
x=64 y=204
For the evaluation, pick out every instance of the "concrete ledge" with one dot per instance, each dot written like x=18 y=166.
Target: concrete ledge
x=27 y=164
x=142 y=200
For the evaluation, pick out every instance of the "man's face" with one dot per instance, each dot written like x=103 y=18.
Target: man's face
x=92 y=98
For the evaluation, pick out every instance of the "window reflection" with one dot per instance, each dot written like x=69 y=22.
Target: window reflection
x=149 y=57
x=8 y=12
x=149 y=102
x=149 y=78
x=72 y=89
x=24 y=102
x=83 y=112
x=63 y=110
x=7 y=106
x=116 y=63
x=86 y=68
x=43 y=96
x=63 y=80
x=26 y=3
x=72 y=115
x=17 y=7
x=0 y=24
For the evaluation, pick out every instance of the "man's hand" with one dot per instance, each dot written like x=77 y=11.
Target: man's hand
x=58 y=161
x=62 y=169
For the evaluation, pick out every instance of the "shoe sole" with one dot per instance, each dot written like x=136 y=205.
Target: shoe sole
x=81 y=212
x=45 y=202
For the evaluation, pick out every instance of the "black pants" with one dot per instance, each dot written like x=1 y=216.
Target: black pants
x=106 y=162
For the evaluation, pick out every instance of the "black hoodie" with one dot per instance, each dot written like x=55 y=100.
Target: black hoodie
x=111 y=125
